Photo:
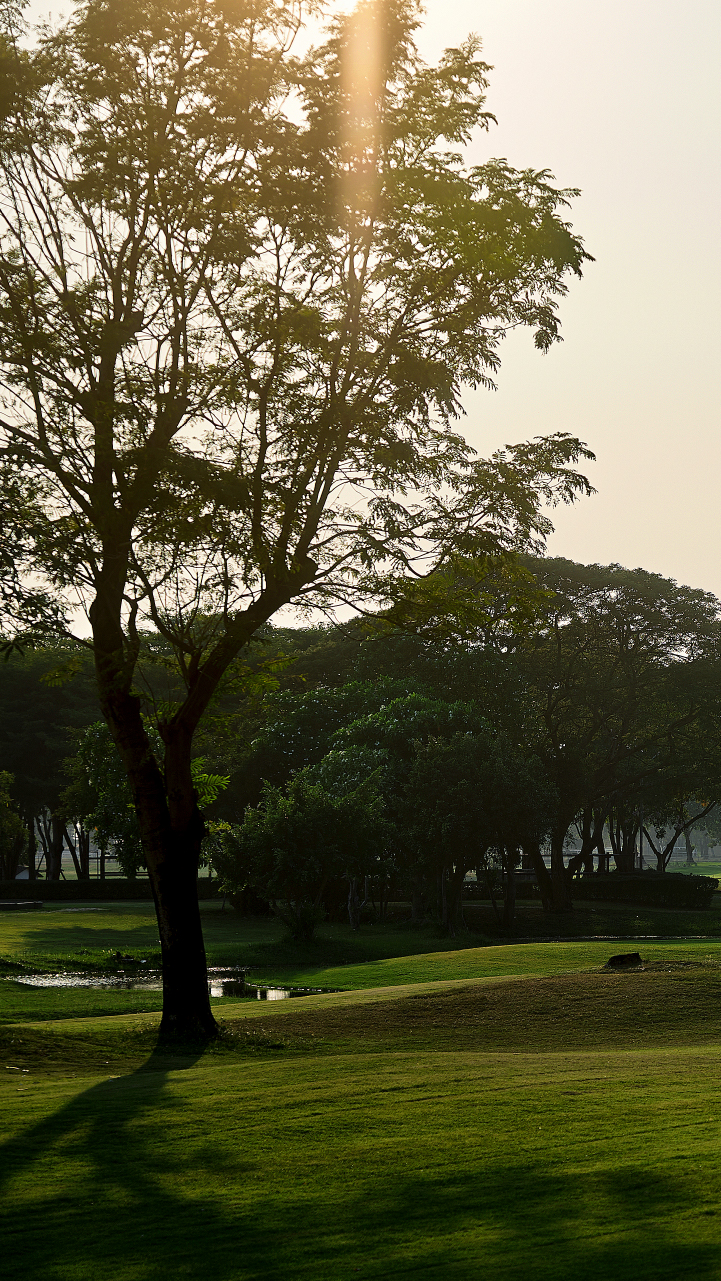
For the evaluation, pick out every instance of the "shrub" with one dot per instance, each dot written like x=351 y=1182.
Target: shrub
x=649 y=889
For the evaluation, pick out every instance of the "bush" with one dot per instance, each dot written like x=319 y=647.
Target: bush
x=649 y=889
x=116 y=888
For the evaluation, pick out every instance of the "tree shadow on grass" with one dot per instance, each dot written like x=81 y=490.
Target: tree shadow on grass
x=128 y=1182
x=89 y=1189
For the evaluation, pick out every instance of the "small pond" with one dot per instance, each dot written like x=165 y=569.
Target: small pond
x=220 y=983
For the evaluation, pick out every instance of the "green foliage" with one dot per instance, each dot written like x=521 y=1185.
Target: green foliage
x=669 y=890
x=299 y=839
x=38 y=720
x=266 y=299
x=100 y=795
x=13 y=833
x=473 y=793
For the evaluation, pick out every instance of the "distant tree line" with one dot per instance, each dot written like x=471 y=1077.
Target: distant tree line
x=485 y=719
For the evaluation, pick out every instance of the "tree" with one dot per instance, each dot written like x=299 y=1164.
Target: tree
x=297 y=840
x=469 y=796
x=240 y=295
x=624 y=663
x=99 y=799
x=610 y=676
x=46 y=696
x=13 y=836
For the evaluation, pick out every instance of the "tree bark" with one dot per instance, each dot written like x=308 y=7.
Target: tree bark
x=171 y=829
x=32 y=847
x=543 y=876
x=186 y=1000
x=54 y=852
x=73 y=854
x=561 y=898
x=509 y=892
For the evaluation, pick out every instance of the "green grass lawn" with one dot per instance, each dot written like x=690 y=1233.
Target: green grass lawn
x=508 y=1111
x=699 y=869
x=560 y=1127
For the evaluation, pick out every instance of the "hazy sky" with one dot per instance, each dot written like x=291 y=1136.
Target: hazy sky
x=622 y=100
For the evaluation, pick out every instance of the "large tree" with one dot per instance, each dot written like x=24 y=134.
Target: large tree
x=240 y=295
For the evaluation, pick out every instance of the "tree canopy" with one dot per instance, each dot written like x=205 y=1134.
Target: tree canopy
x=241 y=292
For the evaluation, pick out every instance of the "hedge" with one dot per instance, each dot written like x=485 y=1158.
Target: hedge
x=114 y=889
x=650 y=889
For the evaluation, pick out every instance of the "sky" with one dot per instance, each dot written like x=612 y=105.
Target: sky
x=622 y=100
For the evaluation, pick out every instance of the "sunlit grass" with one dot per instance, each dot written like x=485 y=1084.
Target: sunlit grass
x=404 y=1135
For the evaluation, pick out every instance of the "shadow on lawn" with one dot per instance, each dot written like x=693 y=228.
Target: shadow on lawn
x=109 y=1190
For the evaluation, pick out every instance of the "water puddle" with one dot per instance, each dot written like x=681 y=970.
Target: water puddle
x=220 y=983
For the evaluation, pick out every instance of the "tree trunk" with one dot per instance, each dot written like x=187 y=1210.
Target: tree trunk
x=171 y=829
x=32 y=847
x=509 y=892
x=173 y=871
x=543 y=876
x=454 y=899
x=417 y=911
x=561 y=898
x=84 y=848
x=73 y=854
x=603 y=856
x=354 y=903
x=623 y=841
x=54 y=852
x=690 y=860
x=443 y=898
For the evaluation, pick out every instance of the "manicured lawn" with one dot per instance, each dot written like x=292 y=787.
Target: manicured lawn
x=433 y=1119
x=57 y=938
x=557 y=1128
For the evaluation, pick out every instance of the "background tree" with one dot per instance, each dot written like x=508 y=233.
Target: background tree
x=298 y=840
x=99 y=800
x=470 y=797
x=624 y=662
x=46 y=696
x=13 y=834
x=239 y=298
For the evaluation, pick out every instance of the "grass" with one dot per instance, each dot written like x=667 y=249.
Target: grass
x=58 y=938
x=509 y=1111
x=553 y=1128
x=698 y=869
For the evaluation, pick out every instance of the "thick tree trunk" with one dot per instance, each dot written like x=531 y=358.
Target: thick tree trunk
x=690 y=860
x=173 y=870
x=171 y=829
x=84 y=848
